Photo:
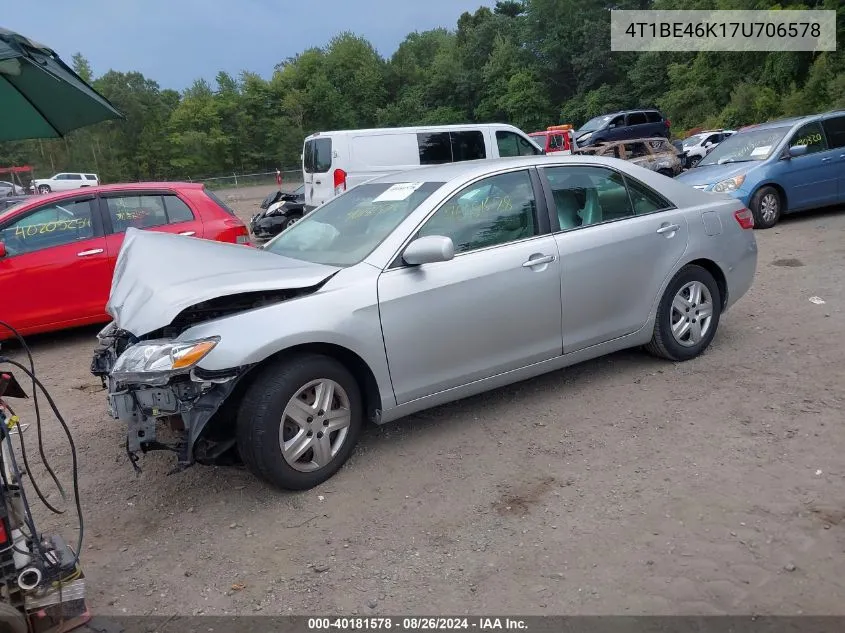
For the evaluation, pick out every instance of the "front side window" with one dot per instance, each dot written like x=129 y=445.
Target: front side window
x=636 y=150
x=54 y=225
x=344 y=230
x=493 y=211
x=556 y=142
x=810 y=135
x=511 y=144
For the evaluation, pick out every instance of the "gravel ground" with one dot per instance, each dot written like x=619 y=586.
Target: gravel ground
x=625 y=485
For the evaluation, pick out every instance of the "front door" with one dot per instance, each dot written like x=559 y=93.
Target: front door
x=810 y=180
x=618 y=241
x=55 y=270
x=495 y=307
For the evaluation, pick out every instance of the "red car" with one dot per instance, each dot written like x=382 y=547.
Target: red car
x=58 y=251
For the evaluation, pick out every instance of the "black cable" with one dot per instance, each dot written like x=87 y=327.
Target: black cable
x=29 y=470
x=75 y=466
x=44 y=459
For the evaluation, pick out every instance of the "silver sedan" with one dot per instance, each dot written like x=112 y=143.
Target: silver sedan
x=407 y=292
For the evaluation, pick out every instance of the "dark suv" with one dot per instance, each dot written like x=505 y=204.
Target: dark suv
x=620 y=126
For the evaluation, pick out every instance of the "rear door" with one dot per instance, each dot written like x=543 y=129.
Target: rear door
x=618 y=242
x=317 y=158
x=810 y=180
x=56 y=267
x=834 y=129
x=162 y=211
x=637 y=125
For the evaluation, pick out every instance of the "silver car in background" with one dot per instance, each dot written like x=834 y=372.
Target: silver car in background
x=408 y=292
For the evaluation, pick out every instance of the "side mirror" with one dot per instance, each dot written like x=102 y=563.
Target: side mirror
x=429 y=250
x=797 y=150
x=2 y=250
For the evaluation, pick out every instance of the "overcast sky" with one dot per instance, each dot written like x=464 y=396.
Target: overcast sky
x=177 y=41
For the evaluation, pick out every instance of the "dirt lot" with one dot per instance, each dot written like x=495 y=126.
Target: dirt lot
x=623 y=485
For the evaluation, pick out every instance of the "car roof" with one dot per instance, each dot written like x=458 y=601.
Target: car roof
x=478 y=168
x=129 y=186
x=411 y=128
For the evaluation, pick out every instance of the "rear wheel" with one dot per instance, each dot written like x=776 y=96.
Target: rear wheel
x=767 y=206
x=44 y=189
x=693 y=161
x=687 y=316
x=299 y=421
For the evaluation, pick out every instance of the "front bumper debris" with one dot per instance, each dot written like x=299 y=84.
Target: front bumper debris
x=179 y=412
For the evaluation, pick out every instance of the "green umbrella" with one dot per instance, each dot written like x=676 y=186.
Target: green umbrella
x=40 y=95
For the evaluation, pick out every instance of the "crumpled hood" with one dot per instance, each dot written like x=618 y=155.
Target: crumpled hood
x=158 y=275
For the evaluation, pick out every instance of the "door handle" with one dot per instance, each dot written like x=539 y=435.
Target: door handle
x=824 y=160
x=539 y=261
x=188 y=233
x=93 y=251
x=319 y=182
x=668 y=228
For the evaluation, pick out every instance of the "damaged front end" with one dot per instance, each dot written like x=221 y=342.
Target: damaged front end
x=165 y=400
x=146 y=356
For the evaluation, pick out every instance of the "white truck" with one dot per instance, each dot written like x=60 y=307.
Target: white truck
x=333 y=162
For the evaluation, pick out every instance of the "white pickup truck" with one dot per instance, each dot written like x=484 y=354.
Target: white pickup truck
x=64 y=182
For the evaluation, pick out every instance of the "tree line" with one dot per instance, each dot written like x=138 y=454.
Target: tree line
x=531 y=63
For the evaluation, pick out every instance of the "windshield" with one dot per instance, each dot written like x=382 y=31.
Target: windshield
x=300 y=189
x=344 y=230
x=754 y=145
x=595 y=124
x=694 y=140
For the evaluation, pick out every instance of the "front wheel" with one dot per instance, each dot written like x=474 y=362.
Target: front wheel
x=693 y=161
x=687 y=316
x=766 y=206
x=291 y=220
x=299 y=421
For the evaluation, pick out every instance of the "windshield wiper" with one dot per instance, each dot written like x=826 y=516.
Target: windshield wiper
x=733 y=160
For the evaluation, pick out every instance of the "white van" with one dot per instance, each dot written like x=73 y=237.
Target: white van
x=333 y=162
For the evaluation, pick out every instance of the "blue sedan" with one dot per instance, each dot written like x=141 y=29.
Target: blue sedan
x=779 y=167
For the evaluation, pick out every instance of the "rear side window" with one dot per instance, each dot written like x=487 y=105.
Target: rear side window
x=90 y=177
x=637 y=118
x=435 y=148
x=468 y=145
x=317 y=155
x=644 y=199
x=225 y=207
x=653 y=117
x=177 y=210
x=835 y=131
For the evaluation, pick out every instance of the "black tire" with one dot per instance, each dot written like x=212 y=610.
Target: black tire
x=765 y=217
x=290 y=220
x=260 y=415
x=663 y=343
x=44 y=189
x=693 y=161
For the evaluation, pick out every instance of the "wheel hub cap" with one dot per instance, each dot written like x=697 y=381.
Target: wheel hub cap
x=769 y=207
x=314 y=425
x=691 y=314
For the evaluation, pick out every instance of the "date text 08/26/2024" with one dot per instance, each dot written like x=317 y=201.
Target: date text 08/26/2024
x=417 y=624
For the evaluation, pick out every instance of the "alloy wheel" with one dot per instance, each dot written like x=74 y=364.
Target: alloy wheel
x=691 y=313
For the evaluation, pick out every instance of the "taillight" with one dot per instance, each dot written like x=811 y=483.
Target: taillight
x=339 y=181
x=745 y=218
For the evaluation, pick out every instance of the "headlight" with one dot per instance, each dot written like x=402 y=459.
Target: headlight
x=731 y=184
x=154 y=362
